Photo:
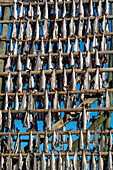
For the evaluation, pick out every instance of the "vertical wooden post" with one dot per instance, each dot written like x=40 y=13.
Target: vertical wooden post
x=3 y=46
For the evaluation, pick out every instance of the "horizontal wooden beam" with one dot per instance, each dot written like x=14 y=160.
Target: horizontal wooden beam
x=61 y=110
x=56 y=54
x=56 y=154
x=62 y=92
x=51 y=132
x=47 y=72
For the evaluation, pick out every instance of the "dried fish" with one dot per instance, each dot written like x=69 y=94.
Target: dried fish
x=55 y=30
x=38 y=66
x=9 y=119
x=31 y=82
x=88 y=59
x=31 y=142
x=52 y=165
x=75 y=163
x=81 y=140
x=87 y=44
x=22 y=10
x=2 y=161
x=21 y=32
x=17 y=144
x=37 y=145
x=93 y=162
x=72 y=27
x=76 y=45
x=84 y=119
x=106 y=7
x=38 y=13
x=19 y=64
x=9 y=162
x=46 y=142
x=28 y=162
x=59 y=161
x=16 y=102
x=46 y=10
x=80 y=27
x=49 y=127
x=97 y=61
x=37 y=30
x=43 y=162
x=99 y=8
x=64 y=30
x=64 y=9
x=110 y=141
x=70 y=142
x=9 y=143
x=73 y=80
x=43 y=81
x=31 y=104
x=87 y=139
x=24 y=102
x=109 y=160
x=46 y=100
x=91 y=8
x=8 y=64
x=56 y=10
x=67 y=161
x=20 y=162
x=50 y=65
x=60 y=64
x=42 y=46
x=107 y=99
x=28 y=30
x=81 y=61
x=30 y=12
x=84 y=163
x=27 y=120
x=100 y=163
x=19 y=82
x=96 y=85
x=14 y=30
x=95 y=26
x=68 y=45
x=55 y=101
x=9 y=83
x=15 y=9
x=6 y=101
x=73 y=9
x=81 y=9
x=45 y=29
x=86 y=81
x=89 y=26
x=53 y=80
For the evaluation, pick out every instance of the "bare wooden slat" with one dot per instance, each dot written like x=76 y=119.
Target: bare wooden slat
x=56 y=54
x=58 y=71
x=63 y=39
x=61 y=110
x=51 y=132
x=61 y=92
x=56 y=154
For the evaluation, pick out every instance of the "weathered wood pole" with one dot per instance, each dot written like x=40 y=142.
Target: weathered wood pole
x=3 y=47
